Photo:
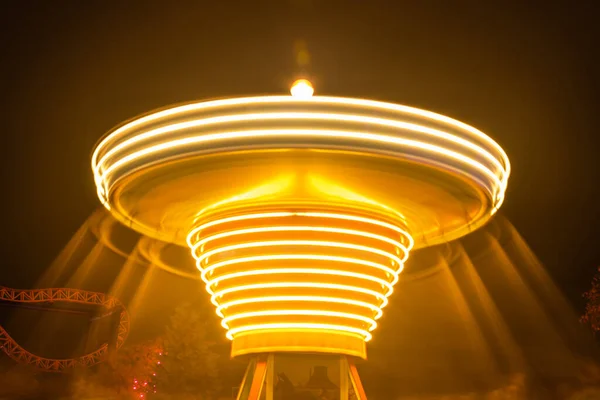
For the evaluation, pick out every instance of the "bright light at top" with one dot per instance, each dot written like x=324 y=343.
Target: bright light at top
x=302 y=88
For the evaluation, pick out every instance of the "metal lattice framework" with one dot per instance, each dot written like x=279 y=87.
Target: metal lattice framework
x=51 y=295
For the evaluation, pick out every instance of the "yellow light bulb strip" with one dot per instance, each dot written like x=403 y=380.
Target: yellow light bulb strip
x=270 y=215
x=295 y=228
x=383 y=300
x=316 y=271
x=347 y=278
x=402 y=143
x=200 y=258
x=223 y=119
x=288 y=257
x=313 y=327
x=142 y=137
x=270 y=313
x=360 y=103
x=117 y=135
x=314 y=299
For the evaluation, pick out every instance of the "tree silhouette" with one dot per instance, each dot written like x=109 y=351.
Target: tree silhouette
x=190 y=365
x=592 y=307
x=128 y=375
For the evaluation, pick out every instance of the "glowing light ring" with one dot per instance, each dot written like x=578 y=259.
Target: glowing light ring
x=285 y=99
x=366 y=320
x=318 y=243
x=314 y=285
x=389 y=286
x=116 y=134
x=467 y=145
x=319 y=299
x=295 y=326
x=269 y=272
x=313 y=257
x=297 y=115
x=292 y=228
x=403 y=232
x=210 y=282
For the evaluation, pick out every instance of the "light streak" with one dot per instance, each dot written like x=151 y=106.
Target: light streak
x=315 y=299
x=402 y=143
x=300 y=257
x=281 y=214
x=126 y=144
x=317 y=271
x=267 y=243
x=298 y=116
x=305 y=285
x=115 y=136
x=315 y=327
x=293 y=228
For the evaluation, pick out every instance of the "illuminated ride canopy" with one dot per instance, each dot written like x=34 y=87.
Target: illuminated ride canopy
x=300 y=211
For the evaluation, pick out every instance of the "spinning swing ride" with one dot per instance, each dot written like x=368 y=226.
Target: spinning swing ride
x=300 y=212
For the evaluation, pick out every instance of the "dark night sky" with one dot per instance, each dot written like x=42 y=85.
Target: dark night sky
x=525 y=74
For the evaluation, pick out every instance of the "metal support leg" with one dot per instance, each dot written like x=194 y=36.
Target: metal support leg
x=254 y=379
x=259 y=378
x=355 y=379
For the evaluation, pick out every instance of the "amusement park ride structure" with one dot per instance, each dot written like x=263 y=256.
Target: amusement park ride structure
x=300 y=212
x=108 y=304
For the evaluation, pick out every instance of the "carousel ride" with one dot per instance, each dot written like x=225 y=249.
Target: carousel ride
x=300 y=212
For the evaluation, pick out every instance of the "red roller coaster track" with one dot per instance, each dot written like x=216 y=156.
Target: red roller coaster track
x=20 y=355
